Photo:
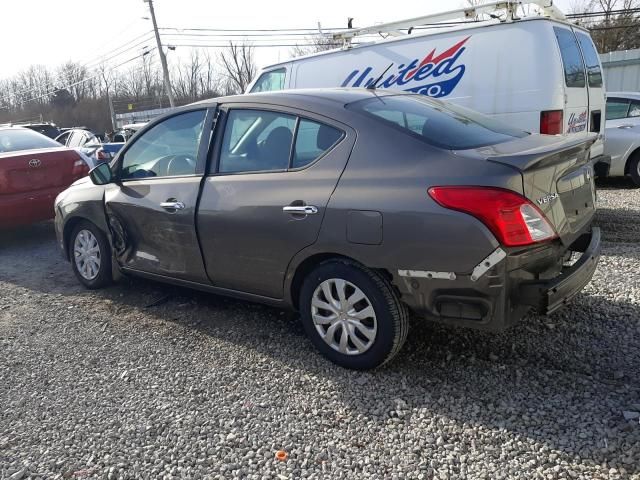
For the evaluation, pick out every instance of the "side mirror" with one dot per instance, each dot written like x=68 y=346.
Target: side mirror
x=102 y=174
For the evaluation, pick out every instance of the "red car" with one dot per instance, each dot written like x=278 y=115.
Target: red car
x=34 y=169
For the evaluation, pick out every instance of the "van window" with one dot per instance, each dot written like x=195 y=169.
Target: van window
x=270 y=81
x=571 y=57
x=617 y=108
x=591 y=60
x=445 y=126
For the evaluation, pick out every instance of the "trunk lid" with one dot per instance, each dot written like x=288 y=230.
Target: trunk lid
x=33 y=170
x=557 y=177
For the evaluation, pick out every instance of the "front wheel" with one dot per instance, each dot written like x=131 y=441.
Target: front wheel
x=352 y=315
x=90 y=255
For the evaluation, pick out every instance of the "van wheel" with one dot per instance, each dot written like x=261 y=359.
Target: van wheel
x=634 y=169
x=90 y=255
x=352 y=315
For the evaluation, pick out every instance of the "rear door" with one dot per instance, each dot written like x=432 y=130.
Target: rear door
x=273 y=174
x=151 y=210
x=576 y=111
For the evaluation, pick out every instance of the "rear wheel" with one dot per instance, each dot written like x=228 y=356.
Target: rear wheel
x=634 y=169
x=90 y=255
x=352 y=315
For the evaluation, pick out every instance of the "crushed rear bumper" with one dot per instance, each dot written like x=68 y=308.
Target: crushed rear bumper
x=519 y=280
x=547 y=296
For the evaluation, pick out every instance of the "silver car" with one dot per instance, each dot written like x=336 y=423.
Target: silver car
x=622 y=134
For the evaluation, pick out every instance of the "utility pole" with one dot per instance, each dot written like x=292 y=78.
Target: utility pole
x=163 y=59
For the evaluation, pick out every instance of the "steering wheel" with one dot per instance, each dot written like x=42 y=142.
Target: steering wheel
x=181 y=165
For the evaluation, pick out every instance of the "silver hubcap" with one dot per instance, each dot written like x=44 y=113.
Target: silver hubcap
x=344 y=317
x=86 y=252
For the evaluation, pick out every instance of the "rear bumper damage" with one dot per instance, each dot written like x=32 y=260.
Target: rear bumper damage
x=548 y=296
x=504 y=286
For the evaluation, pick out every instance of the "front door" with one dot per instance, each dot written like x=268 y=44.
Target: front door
x=151 y=210
x=267 y=193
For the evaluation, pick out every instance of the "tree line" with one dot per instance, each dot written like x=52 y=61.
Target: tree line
x=75 y=95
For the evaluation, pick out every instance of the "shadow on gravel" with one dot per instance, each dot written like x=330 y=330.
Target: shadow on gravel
x=562 y=381
x=615 y=183
x=619 y=225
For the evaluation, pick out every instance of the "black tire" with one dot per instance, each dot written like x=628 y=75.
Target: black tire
x=634 y=169
x=104 y=275
x=391 y=314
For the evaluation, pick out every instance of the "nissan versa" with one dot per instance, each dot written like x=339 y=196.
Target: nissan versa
x=354 y=207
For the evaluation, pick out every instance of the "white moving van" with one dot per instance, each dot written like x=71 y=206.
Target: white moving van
x=539 y=73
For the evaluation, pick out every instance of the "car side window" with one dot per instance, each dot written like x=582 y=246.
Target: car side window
x=313 y=139
x=256 y=140
x=571 y=57
x=270 y=81
x=634 y=109
x=169 y=148
x=617 y=108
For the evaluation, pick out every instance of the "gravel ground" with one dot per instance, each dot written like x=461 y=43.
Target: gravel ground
x=143 y=380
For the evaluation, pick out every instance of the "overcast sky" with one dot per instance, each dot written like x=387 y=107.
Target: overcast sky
x=50 y=33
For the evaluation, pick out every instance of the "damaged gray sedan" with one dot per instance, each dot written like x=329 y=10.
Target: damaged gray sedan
x=353 y=207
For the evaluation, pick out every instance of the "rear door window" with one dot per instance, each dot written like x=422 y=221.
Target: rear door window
x=443 y=125
x=617 y=108
x=270 y=81
x=256 y=141
x=571 y=58
x=591 y=60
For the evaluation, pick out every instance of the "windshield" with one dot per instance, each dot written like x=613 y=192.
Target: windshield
x=440 y=124
x=12 y=140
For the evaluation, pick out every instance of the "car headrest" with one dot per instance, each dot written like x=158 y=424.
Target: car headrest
x=327 y=136
x=279 y=136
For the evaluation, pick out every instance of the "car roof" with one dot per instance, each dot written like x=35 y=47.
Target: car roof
x=631 y=95
x=321 y=96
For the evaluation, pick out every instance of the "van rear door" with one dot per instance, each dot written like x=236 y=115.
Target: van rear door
x=576 y=96
x=594 y=87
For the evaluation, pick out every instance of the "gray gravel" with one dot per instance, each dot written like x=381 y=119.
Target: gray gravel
x=103 y=385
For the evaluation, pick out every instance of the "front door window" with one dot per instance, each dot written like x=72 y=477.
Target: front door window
x=170 y=148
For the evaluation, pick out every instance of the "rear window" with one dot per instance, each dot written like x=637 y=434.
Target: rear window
x=591 y=60
x=443 y=125
x=12 y=140
x=571 y=58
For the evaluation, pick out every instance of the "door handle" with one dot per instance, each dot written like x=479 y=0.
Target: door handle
x=300 y=210
x=172 y=205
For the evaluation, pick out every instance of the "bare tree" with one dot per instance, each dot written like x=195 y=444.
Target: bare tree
x=238 y=66
x=618 y=26
x=314 y=44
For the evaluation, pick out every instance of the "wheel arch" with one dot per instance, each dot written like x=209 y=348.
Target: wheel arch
x=307 y=265
x=69 y=225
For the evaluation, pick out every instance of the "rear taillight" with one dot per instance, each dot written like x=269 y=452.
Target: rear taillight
x=551 y=122
x=80 y=168
x=513 y=219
